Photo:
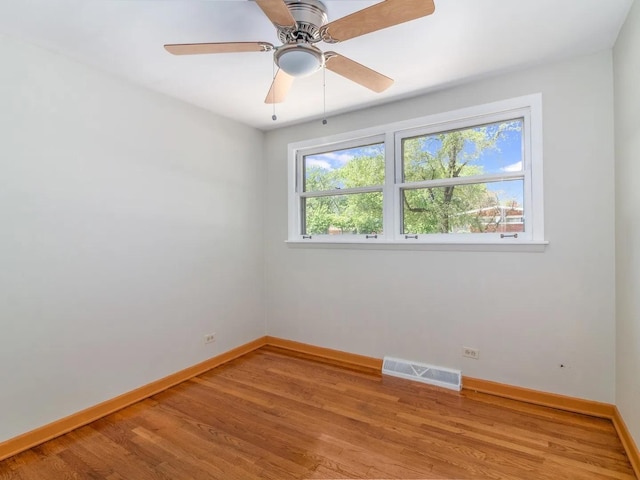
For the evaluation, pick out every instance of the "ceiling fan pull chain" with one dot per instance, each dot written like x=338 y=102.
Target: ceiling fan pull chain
x=274 y=117
x=324 y=93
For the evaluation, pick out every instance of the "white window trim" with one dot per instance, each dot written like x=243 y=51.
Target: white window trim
x=528 y=107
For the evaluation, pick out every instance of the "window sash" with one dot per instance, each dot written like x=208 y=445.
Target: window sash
x=445 y=182
x=304 y=205
x=340 y=191
x=455 y=216
x=403 y=137
x=328 y=148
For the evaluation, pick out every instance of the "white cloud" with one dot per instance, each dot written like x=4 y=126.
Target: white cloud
x=315 y=162
x=334 y=157
x=514 y=167
x=337 y=159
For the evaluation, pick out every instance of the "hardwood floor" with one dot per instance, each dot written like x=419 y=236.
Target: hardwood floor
x=277 y=415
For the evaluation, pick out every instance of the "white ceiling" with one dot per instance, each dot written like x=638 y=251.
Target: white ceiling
x=463 y=39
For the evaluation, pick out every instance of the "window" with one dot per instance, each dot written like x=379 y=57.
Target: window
x=468 y=177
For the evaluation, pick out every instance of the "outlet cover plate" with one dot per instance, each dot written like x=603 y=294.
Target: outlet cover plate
x=471 y=352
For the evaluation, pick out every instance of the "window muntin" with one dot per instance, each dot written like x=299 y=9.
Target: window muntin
x=509 y=173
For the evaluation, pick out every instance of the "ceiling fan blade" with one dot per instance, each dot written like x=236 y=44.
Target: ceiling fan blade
x=277 y=12
x=356 y=72
x=376 y=17
x=279 y=88
x=226 y=47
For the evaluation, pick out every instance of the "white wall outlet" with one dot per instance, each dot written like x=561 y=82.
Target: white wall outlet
x=210 y=338
x=471 y=352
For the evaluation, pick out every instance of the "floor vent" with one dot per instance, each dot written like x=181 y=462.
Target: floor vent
x=420 y=372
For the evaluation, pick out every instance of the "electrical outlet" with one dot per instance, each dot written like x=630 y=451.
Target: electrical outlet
x=210 y=338
x=471 y=352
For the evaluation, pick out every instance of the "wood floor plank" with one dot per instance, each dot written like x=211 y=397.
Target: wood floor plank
x=278 y=415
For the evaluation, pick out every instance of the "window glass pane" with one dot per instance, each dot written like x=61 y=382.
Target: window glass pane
x=475 y=208
x=349 y=168
x=358 y=213
x=491 y=148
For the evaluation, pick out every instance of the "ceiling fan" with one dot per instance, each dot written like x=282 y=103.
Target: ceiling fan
x=303 y=23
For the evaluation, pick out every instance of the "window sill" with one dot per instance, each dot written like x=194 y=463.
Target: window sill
x=528 y=246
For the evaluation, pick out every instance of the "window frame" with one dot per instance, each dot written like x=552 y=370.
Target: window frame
x=528 y=107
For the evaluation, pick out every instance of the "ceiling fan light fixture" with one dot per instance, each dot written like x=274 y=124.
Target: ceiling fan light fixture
x=299 y=60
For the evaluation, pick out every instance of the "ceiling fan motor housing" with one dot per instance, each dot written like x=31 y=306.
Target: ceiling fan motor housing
x=310 y=16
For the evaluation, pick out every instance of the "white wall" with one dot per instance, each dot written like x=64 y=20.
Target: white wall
x=526 y=312
x=626 y=57
x=130 y=226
